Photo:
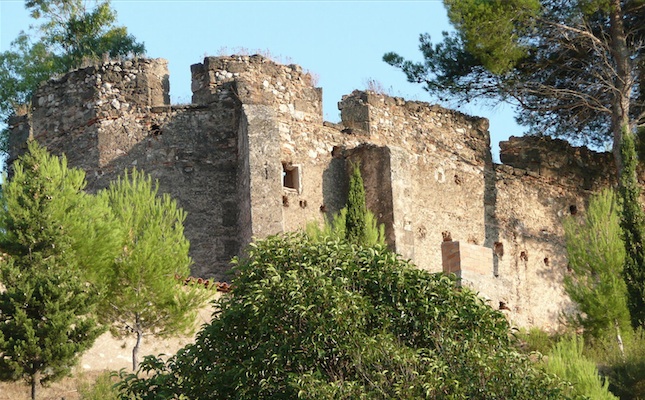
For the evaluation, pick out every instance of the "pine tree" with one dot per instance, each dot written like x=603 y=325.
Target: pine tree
x=596 y=256
x=355 y=225
x=633 y=225
x=48 y=300
x=144 y=296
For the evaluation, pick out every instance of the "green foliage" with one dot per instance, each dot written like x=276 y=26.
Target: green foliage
x=633 y=226
x=355 y=222
x=536 y=340
x=144 y=296
x=335 y=229
x=491 y=30
x=566 y=361
x=46 y=307
x=534 y=54
x=69 y=34
x=626 y=374
x=101 y=389
x=328 y=319
x=596 y=256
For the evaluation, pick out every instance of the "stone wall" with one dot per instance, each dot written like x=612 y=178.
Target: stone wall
x=252 y=157
x=428 y=171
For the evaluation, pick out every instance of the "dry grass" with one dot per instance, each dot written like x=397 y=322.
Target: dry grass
x=67 y=389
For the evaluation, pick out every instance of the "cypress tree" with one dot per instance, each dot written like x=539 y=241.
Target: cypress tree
x=633 y=226
x=355 y=225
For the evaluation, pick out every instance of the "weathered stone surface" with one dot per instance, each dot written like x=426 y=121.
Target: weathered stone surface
x=252 y=157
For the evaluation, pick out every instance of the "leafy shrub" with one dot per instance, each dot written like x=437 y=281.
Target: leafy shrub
x=317 y=320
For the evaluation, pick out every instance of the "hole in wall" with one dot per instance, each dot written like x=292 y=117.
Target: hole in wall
x=291 y=176
x=155 y=130
x=303 y=203
x=573 y=209
x=498 y=249
x=524 y=256
x=285 y=201
x=337 y=152
x=546 y=261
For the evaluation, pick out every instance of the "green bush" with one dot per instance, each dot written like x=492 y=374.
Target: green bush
x=335 y=229
x=322 y=320
x=536 y=340
x=626 y=375
x=102 y=389
x=567 y=362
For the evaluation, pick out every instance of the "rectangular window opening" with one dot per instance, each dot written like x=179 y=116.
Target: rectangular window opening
x=291 y=176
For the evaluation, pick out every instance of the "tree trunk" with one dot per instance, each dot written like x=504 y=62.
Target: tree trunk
x=34 y=384
x=623 y=80
x=619 y=339
x=135 y=352
x=135 y=349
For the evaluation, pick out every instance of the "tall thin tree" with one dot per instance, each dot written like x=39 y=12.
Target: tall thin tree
x=633 y=225
x=356 y=224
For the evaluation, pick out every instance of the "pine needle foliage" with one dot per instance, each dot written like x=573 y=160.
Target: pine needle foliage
x=145 y=297
x=596 y=256
x=567 y=362
x=633 y=225
x=48 y=300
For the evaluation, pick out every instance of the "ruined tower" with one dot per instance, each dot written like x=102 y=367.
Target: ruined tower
x=251 y=156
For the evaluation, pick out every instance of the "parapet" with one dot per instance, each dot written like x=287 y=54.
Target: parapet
x=258 y=80
x=556 y=160
x=418 y=126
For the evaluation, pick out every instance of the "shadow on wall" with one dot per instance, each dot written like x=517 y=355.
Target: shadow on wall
x=335 y=182
x=491 y=224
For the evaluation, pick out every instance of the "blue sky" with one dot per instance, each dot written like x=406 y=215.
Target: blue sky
x=342 y=42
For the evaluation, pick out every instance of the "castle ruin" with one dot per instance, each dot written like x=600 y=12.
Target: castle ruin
x=252 y=156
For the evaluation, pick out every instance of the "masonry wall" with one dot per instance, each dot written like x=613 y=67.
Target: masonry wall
x=431 y=175
x=252 y=157
x=436 y=160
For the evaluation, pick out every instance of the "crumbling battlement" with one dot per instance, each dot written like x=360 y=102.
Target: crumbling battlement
x=252 y=157
x=556 y=160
